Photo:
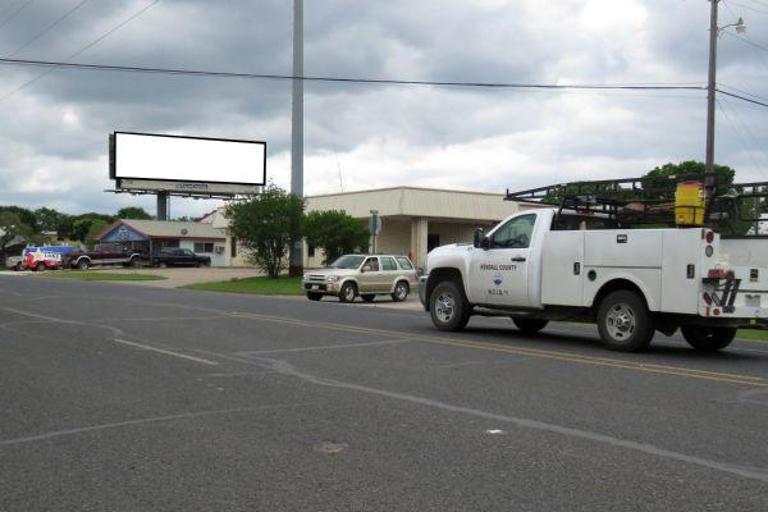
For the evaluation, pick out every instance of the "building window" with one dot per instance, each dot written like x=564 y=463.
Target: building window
x=311 y=251
x=204 y=247
x=233 y=246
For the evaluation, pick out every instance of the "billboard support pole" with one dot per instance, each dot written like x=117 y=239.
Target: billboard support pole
x=162 y=205
x=297 y=129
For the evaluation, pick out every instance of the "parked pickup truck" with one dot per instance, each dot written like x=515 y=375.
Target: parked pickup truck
x=105 y=255
x=535 y=268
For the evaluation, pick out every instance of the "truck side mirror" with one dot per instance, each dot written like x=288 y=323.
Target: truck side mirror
x=478 y=239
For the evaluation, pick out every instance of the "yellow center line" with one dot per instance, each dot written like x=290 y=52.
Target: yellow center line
x=571 y=357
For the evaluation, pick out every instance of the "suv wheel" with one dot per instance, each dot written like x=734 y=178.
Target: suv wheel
x=624 y=322
x=348 y=292
x=83 y=264
x=40 y=267
x=401 y=291
x=708 y=339
x=448 y=307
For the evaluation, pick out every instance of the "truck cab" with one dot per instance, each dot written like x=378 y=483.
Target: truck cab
x=542 y=264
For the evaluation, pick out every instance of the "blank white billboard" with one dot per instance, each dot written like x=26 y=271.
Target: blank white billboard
x=172 y=158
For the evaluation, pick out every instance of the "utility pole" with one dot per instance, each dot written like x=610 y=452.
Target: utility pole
x=297 y=128
x=714 y=33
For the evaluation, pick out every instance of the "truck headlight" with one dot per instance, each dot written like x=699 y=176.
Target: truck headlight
x=305 y=277
x=332 y=279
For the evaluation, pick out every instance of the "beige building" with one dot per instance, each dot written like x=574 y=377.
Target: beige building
x=416 y=220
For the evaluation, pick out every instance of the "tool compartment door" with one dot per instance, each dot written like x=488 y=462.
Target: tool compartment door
x=562 y=268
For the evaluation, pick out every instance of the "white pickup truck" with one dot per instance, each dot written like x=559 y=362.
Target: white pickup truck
x=541 y=265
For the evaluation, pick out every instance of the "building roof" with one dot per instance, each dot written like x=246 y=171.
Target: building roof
x=168 y=229
x=456 y=205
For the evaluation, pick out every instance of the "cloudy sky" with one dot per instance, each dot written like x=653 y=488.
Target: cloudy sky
x=53 y=133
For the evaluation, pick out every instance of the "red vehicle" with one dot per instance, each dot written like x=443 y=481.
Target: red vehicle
x=43 y=258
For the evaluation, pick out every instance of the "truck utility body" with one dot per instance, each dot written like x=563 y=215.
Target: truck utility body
x=544 y=264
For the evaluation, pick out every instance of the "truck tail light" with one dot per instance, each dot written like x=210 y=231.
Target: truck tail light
x=719 y=273
x=710 y=237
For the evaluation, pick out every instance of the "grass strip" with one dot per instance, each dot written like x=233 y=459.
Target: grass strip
x=253 y=285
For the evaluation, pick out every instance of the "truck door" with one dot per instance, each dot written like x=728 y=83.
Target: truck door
x=499 y=274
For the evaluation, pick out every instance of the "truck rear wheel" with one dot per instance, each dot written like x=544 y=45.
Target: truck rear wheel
x=449 y=308
x=624 y=322
x=708 y=339
x=83 y=264
x=530 y=325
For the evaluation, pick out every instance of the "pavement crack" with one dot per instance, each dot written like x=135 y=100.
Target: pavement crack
x=750 y=472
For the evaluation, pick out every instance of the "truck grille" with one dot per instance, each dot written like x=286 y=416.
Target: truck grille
x=316 y=277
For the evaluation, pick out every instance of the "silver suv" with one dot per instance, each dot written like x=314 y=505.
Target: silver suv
x=367 y=276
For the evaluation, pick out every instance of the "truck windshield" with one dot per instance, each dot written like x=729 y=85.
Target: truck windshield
x=348 y=262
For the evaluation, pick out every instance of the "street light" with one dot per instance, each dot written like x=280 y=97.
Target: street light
x=714 y=34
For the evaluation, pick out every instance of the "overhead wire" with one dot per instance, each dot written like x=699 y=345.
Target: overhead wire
x=83 y=49
x=15 y=13
x=747 y=7
x=375 y=81
x=743 y=98
x=753 y=95
x=48 y=28
x=749 y=133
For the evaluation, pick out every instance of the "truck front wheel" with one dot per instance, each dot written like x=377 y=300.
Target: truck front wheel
x=530 y=325
x=449 y=308
x=708 y=339
x=624 y=322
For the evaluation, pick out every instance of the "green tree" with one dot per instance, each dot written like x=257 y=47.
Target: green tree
x=335 y=232
x=133 y=212
x=47 y=219
x=80 y=229
x=267 y=223
x=97 y=226
x=26 y=217
x=661 y=182
x=11 y=227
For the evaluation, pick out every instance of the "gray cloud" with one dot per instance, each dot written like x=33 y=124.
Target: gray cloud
x=53 y=151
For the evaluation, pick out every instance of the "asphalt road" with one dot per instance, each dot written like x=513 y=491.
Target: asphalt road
x=127 y=398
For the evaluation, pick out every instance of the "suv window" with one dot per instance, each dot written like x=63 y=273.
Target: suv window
x=404 y=262
x=388 y=263
x=515 y=234
x=373 y=263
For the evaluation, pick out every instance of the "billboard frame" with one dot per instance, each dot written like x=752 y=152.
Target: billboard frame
x=113 y=162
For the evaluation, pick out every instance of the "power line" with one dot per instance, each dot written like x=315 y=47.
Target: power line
x=743 y=98
x=15 y=13
x=747 y=7
x=49 y=27
x=745 y=129
x=84 y=48
x=753 y=95
x=375 y=81
x=747 y=41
